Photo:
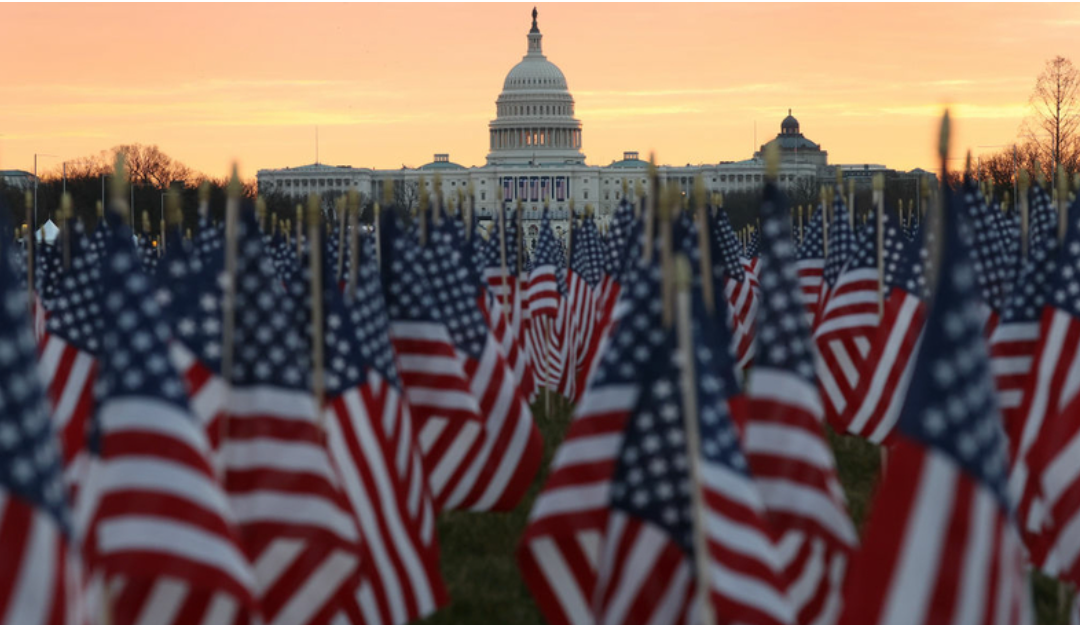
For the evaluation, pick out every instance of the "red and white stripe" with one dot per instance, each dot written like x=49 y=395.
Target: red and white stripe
x=371 y=440
x=1045 y=476
x=644 y=576
x=156 y=528
x=561 y=547
x=509 y=457
x=876 y=403
x=69 y=375
x=1013 y=346
x=38 y=579
x=847 y=321
x=940 y=548
x=447 y=415
x=742 y=298
x=794 y=469
x=811 y=281
x=746 y=580
x=297 y=526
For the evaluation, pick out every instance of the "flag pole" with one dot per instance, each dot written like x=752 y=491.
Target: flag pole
x=704 y=246
x=649 y=212
x=693 y=439
x=851 y=203
x=228 y=299
x=352 y=205
x=467 y=209
x=1063 y=202
x=299 y=231
x=66 y=213
x=826 y=203
x=318 y=379
x=1023 y=183
x=879 y=209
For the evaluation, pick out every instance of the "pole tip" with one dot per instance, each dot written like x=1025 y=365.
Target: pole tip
x=943 y=138
x=772 y=160
x=234 y=189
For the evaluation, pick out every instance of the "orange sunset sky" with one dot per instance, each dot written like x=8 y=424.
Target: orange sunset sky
x=389 y=85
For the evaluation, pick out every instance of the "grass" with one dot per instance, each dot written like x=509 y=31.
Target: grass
x=478 y=549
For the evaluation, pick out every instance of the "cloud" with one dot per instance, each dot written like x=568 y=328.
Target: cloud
x=748 y=88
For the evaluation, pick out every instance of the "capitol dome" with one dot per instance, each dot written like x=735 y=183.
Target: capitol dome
x=535 y=121
x=535 y=72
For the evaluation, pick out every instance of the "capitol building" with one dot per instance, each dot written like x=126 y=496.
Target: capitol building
x=535 y=157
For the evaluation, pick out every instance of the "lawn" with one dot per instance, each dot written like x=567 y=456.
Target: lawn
x=478 y=549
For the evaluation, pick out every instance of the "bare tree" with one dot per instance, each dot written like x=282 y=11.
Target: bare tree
x=147 y=164
x=1054 y=125
x=406 y=195
x=1000 y=167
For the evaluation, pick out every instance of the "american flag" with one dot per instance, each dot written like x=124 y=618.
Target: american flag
x=842 y=247
x=508 y=313
x=448 y=419
x=582 y=305
x=886 y=370
x=561 y=545
x=36 y=585
x=370 y=437
x=739 y=287
x=68 y=354
x=297 y=525
x=994 y=270
x=647 y=567
x=1016 y=338
x=784 y=439
x=811 y=265
x=157 y=532
x=847 y=320
x=1013 y=348
x=510 y=454
x=1045 y=476
x=940 y=543
x=547 y=287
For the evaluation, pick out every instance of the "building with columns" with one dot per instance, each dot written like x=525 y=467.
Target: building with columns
x=535 y=157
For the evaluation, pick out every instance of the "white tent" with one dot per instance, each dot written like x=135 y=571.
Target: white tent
x=49 y=231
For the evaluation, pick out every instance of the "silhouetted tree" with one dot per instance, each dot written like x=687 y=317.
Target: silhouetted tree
x=1054 y=124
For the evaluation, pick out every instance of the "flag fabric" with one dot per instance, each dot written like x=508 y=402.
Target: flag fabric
x=581 y=314
x=1045 y=477
x=157 y=533
x=993 y=265
x=847 y=320
x=1014 y=345
x=941 y=543
x=447 y=415
x=842 y=248
x=296 y=524
x=510 y=454
x=561 y=546
x=784 y=436
x=647 y=572
x=38 y=578
x=1016 y=337
x=68 y=351
x=371 y=440
x=740 y=286
x=887 y=369
x=508 y=290
x=811 y=265
x=547 y=287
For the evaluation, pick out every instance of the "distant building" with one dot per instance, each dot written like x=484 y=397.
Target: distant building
x=17 y=178
x=535 y=157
